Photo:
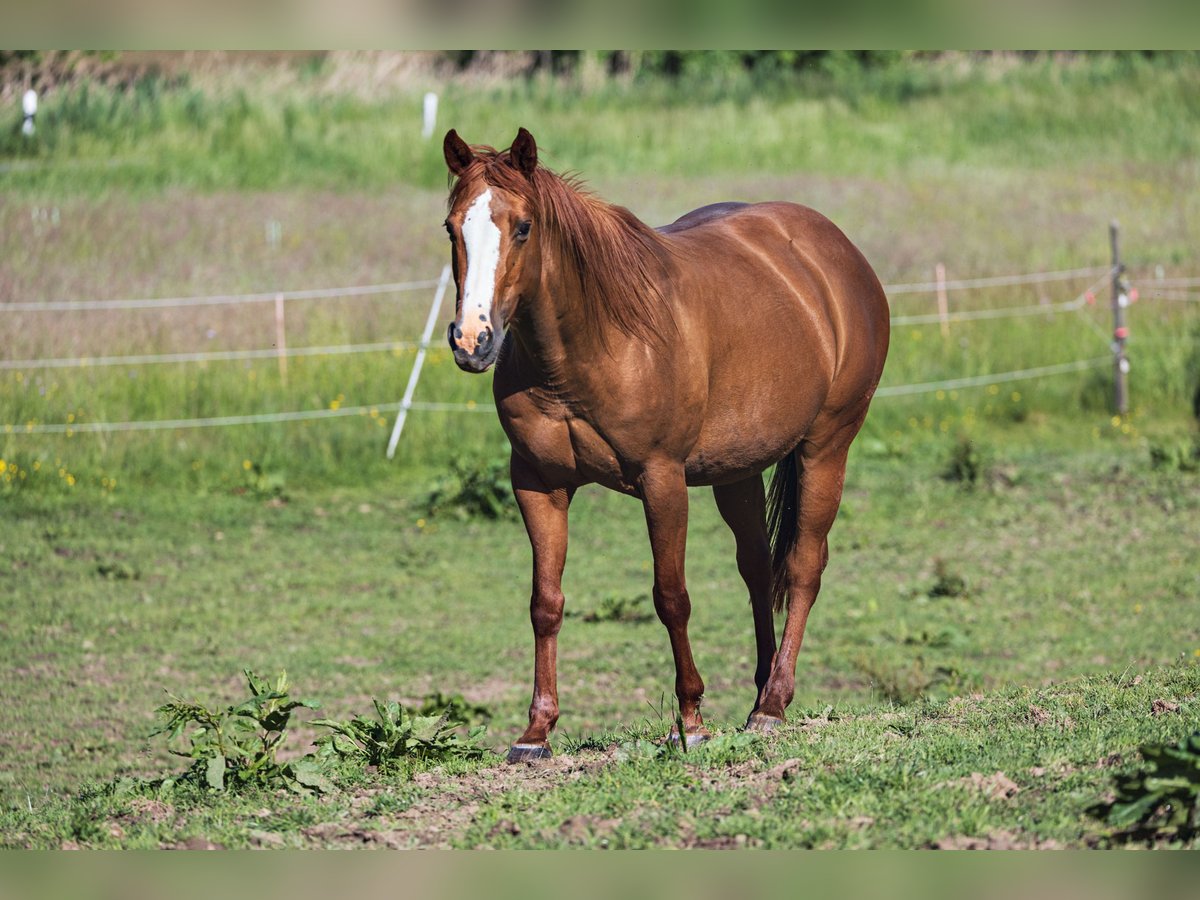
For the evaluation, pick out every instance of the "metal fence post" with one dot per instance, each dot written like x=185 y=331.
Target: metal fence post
x=426 y=336
x=1120 y=332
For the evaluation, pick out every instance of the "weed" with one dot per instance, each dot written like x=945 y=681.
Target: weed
x=474 y=489
x=966 y=464
x=1160 y=802
x=235 y=747
x=1180 y=456
x=903 y=685
x=1191 y=368
x=942 y=638
x=117 y=570
x=263 y=483
x=396 y=736
x=946 y=581
x=457 y=709
x=616 y=608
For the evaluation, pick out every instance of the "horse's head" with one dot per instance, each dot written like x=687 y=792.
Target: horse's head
x=489 y=224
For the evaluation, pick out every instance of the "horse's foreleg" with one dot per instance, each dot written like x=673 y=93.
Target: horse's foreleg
x=664 y=493
x=820 y=487
x=743 y=507
x=545 y=513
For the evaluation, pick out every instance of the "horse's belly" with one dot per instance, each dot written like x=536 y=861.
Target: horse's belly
x=730 y=462
x=742 y=439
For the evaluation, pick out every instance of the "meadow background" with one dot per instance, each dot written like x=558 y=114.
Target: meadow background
x=1010 y=559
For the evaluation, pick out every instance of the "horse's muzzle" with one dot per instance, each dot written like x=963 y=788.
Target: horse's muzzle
x=478 y=359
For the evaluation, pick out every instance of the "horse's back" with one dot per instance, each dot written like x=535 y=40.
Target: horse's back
x=754 y=257
x=701 y=216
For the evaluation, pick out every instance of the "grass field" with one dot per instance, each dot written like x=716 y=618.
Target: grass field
x=1026 y=628
x=989 y=650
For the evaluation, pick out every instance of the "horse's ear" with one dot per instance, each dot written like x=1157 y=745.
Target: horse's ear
x=524 y=152
x=458 y=153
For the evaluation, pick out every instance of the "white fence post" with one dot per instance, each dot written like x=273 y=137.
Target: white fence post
x=406 y=403
x=281 y=338
x=939 y=273
x=429 y=115
x=29 y=105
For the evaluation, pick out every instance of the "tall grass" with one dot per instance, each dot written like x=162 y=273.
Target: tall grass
x=156 y=134
x=350 y=450
x=164 y=189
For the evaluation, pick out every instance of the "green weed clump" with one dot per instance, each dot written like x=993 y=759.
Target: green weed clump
x=966 y=465
x=397 y=736
x=235 y=747
x=1161 y=801
x=1179 y=456
x=616 y=608
x=946 y=581
x=474 y=489
x=456 y=707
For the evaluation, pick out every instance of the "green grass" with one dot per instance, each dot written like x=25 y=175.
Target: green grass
x=123 y=247
x=946 y=112
x=987 y=168
x=1078 y=585
x=1022 y=625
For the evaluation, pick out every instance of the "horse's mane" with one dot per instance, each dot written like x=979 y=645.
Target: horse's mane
x=621 y=263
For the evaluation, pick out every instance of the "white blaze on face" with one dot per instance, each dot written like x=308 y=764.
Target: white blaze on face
x=482 y=240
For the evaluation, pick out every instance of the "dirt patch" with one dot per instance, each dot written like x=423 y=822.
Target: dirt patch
x=144 y=810
x=452 y=803
x=996 y=786
x=584 y=829
x=995 y=840
x=490 y=691
x=193 y=843
x=1040 y=718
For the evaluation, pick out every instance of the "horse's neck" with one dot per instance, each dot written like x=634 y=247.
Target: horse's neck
x=563 y=332
x=553 y=334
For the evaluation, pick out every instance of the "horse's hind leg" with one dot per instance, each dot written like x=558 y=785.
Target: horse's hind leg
x=822 y=474
x=664 y=495
x=743 y=507
x=545 y=513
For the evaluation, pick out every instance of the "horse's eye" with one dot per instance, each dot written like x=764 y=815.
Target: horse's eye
x=523 y=230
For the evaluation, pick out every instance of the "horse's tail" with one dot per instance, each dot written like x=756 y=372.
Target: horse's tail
x=782 y=523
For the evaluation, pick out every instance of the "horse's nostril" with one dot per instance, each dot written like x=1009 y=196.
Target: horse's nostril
x=457 y=333
x=485 y=338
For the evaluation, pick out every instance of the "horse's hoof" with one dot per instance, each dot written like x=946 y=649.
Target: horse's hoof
x=762 y=723
x=528 y=753
x=694 y=738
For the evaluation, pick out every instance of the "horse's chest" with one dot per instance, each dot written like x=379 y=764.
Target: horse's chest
x=565 y=449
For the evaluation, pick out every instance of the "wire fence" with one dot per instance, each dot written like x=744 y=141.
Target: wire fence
x=1172 y=289
x=927 y=287
x=146 y=359
x=1178 y=295
x=142 y=359
x=360 y=290
x=1008 y=312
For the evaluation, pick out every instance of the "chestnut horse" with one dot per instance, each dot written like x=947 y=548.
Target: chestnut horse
x=647 y=360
